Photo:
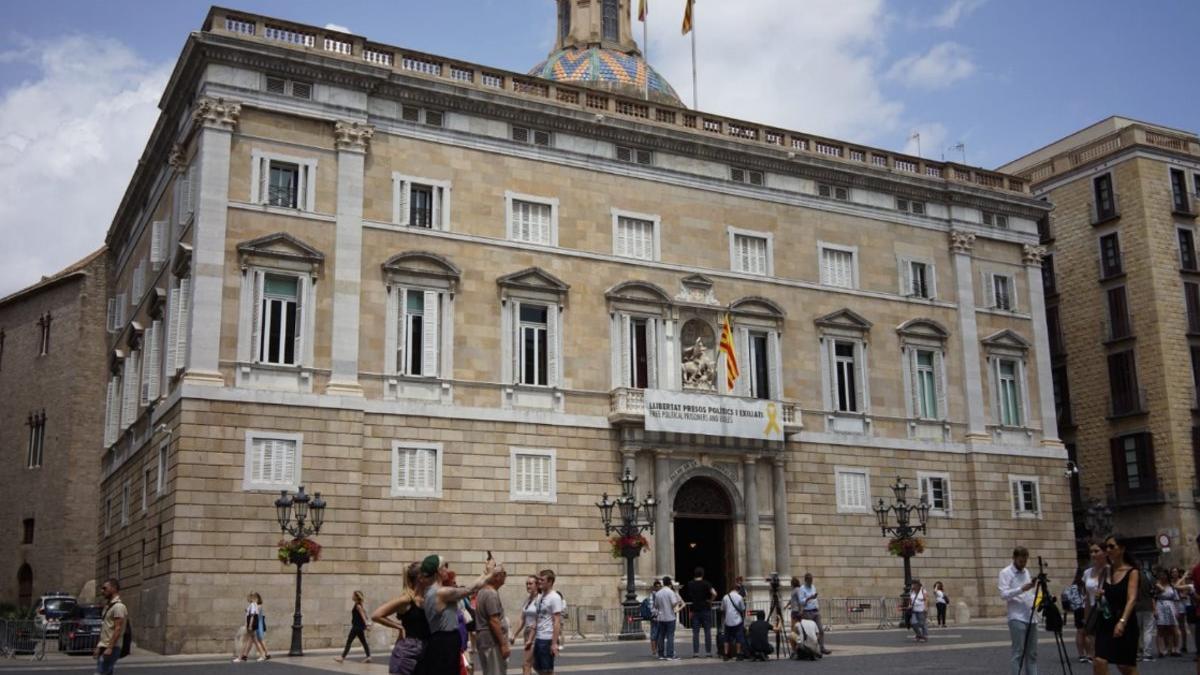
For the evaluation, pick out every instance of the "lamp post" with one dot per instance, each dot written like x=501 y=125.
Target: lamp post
x=300 y=517
x=635 y=518
x=904 y=529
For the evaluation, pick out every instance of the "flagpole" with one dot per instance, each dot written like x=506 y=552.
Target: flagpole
x=695 y=94
x=646 y=52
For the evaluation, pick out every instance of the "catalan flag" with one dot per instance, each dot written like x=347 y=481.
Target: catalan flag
x=731 y=364
x=687 y=17
x=642 y=11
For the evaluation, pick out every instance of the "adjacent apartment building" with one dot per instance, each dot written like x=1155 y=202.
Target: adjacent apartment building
x=1122 y=290
x=52 y=371
x=460 y=301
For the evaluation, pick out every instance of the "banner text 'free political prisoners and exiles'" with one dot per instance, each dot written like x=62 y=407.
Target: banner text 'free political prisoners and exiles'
x=712 y=415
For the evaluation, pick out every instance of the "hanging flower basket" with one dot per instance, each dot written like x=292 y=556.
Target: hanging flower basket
x=628 y=546
x=298 y=551
x=906 y=548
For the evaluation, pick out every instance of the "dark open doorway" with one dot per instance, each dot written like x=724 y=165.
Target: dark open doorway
x=704 y=533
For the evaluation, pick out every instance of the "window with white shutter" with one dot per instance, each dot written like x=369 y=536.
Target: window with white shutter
x=158 y=244
x=751 y=252
x=533 y=342
x=160 y=485
x=278 y=323
x=853 y=490
x=935 y=488
x=416 y=469
x=283 y=181
x=532 y=475
x=112 y=409
x=420 y=202
x=532 y=219
x=1026 y=496
x=418 y=344
x=1001 y=292
x=273 y=461
x=635 y=237
x=129 y=393
x=138 y=283
x=838 y=266
x=1008 y=391
x=150 y=363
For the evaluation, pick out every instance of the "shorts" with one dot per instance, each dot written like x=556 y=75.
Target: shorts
x=735 y=634
x=543 y=658
x=1080 y=618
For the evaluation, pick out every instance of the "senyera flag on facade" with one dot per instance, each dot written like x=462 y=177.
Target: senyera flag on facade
x=712 y=415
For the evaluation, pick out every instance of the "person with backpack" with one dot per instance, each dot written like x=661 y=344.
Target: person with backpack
x=256 y=630
x=649 y=612
x=114 y=633
x=941 y=600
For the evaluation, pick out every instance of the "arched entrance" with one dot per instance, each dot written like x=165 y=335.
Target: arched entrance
x=704 y=532
x=25 y=586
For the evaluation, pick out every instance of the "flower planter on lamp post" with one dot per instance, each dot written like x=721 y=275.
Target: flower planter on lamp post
x=628 y=542
x=300 y=517
x=905 y=543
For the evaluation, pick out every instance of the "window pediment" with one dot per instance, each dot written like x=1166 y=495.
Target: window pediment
x=757 y=306
x=1007 y=340
x=638 y=292
x=422 y=268
x=845 y=319
x=922 y=328
x=535 y=281
x=280 y=250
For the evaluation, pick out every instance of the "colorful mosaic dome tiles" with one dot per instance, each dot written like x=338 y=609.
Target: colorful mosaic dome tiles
x=596 y=65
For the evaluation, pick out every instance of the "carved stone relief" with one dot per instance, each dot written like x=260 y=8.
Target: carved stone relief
x=698 y=366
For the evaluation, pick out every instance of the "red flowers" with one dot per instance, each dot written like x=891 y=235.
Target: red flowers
x=621 y=544
x=906 y=547
x=298 y=551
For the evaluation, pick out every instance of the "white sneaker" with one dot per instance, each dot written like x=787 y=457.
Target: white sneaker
x=261 y=659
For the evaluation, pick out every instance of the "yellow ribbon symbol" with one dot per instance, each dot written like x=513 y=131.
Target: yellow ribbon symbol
x=772 y=420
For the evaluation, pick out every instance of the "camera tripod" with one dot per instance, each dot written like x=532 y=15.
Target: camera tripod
x=775 y=616
x=1052 y=617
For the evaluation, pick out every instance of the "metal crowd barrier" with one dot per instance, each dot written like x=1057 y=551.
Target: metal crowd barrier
x=22 y=638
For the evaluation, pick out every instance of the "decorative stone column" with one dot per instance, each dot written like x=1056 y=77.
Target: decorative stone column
x=663 y=558
x=352 y=139
x=750 y=494
x=217 y=119
x=1041 y=343
x=782 y=532
x=961 y=244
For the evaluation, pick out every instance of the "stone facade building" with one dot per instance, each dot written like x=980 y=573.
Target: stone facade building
x=51 y=375
x=1123 y=290
x=443 y=294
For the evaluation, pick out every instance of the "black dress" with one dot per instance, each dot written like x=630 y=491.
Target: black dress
x=1119 y=651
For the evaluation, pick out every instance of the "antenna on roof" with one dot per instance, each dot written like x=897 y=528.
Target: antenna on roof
x=960 y=147
x=917 y=136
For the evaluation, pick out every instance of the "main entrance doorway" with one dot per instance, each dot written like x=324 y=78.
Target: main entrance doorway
x=704 y=533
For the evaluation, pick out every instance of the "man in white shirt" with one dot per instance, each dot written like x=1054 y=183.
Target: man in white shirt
x=550 y=607
x=733 y=608
x=668 y=603
x=919 y=602
x=1016 y=586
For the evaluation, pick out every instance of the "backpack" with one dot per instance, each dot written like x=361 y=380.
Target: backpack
x=646 y=611
x=126 y=639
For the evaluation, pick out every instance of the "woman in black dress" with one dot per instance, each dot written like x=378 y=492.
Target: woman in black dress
x=1117 y=633
x=409 y=619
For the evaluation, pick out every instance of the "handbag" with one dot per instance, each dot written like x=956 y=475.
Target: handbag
x=1091 y=624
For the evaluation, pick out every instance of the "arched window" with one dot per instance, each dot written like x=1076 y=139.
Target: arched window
x=25 y=586
x=564 y=19
x=611 y=21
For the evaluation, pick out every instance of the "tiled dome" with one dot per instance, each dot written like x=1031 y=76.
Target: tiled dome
x=606 y=69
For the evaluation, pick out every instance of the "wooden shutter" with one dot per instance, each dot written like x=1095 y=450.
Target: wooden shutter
x=651 y=353
x=436 y=222
x=264 y=180
x=514 y=339
x=129 y=382
x=112 y=314
x=144 y=388
x=153 y=382
x=172 y=333
x=182 y=334
x=158 y=247
x=401 y=354
x=914 y=380
x=1146 y=461
x=403 y=458
x=1120 y=470
x=402 y=197
x=553 y=368
x=110 y=429
x=626 y=347
x=192 y=179
x=390 y=332
x=621 y=243
x=301 y=308
x=939 y=383
x=741 y=386
x=775 y=365
x=429 y=337
x=256 y=317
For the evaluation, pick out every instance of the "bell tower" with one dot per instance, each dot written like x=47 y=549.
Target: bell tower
x=596 y=23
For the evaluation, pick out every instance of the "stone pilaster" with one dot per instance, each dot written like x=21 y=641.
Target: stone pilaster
x=352 y=139
x=753 y=544
x=663 y=558
x=217 y=118
x=961 y=244
x=782 y=531
x=1041 y=343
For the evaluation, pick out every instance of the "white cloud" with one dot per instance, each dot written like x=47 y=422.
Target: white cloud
x=949 y=17
x=941 y=66
x=814 y=68
x=338 y=27
x=70 y=138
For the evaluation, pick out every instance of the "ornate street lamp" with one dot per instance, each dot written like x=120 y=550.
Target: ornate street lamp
x=903 y=530
x=635 y=518
x=299 y=516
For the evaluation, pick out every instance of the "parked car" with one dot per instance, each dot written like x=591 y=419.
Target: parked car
x=80 y=630
x=50 y=610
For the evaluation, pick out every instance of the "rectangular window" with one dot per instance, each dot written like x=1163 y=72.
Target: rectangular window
x=416 y=470
x=526 y=135
x=420 y=202
x=1110 y=255
x=1002 y=292
x=739 y=175
x=926 y=375
x=1122 y=382
x=272 y=461
x=634 y=238
x=279 y=333
x=107 y=517
x=634 y=155
x=853 y=491
x=27 y=531
x=146 y=478
x=1133 y=464
x=420 y=212
x=919 y=280
x=1026 y=499
x=835 y=191
x=1049 y=281
x=532 y=222
x=760 y=366
x=837 y=267
x=1180 y=201
x=44 y=339
x=1105 y=204
x=935 y=488
x=639 y=354
x=37 y=439
x=1054 y=328
x=1062 y=395
x=125 y=504
x=1008 y=387
x=1191 y=298
x=160 y=485
x=1118 y=314
x=282 y=181
x=534 y=346
x=846 y=376
x=751 y=254
x=914 y=207
x=418 y=350
x=1187 y=249
x=995 y=219
x=532 y=475
x=283 y=187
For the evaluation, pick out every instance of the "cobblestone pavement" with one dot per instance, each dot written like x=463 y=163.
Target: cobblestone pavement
x=976 y=649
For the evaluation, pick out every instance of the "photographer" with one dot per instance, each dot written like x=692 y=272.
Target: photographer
x=1016 y=589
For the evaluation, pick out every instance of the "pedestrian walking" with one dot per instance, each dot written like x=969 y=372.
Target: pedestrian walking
x=1144 y=610
x=733 y=609
x=256 y=630
x=410 y=621
x=668 y=603
x=1183 y=606
x=113 y=624
x=940 y=601
x=1091 y=586
x=1117 y=630
x=358 y=628
x=443 y=653
x=1073 y=602
x=1016 y=589
x=528 y=624
x=1165 y=619
x=919 y=604
x=550 y=608
x=491 y=641
x=804 y=598
x=700 y=593
x=650 y=613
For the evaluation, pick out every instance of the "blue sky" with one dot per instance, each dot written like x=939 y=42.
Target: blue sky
x=1002 y=76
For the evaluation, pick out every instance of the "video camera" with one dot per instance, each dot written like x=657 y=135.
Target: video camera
x=774 y=581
